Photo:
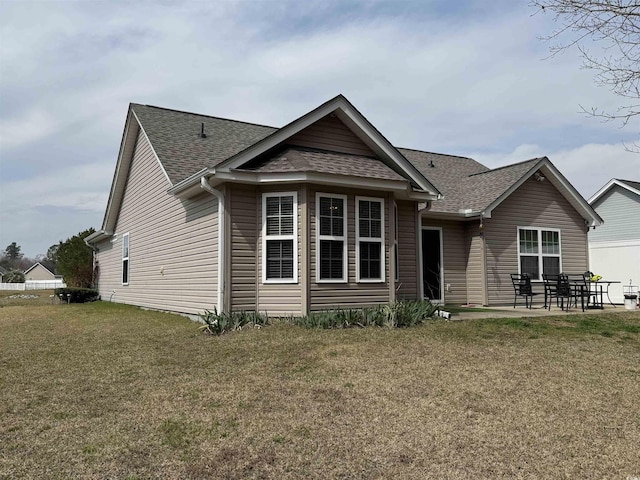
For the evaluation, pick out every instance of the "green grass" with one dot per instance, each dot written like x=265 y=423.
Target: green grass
x=103 y=390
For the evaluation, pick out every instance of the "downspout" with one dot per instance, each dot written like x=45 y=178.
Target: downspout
x=204 y=184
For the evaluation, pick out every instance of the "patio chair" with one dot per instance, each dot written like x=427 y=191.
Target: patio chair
x=522 y=288
x=557 y=286
x=580 y=289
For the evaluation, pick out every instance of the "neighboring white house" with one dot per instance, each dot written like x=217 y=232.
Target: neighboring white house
x=614 y=247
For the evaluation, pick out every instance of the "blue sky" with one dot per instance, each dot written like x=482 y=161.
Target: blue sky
x=467 y=78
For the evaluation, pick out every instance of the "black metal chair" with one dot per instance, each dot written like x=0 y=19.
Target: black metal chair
x=551 y=282
x=556 y=286
x=522 y=288
x=580 y=285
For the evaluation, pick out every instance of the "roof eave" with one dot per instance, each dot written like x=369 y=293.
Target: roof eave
x=610 y=184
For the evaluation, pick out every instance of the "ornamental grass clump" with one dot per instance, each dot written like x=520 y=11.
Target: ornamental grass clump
x=218 y=323
x=398 y=314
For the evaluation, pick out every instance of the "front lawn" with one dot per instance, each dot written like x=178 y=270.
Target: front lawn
x=109 y=391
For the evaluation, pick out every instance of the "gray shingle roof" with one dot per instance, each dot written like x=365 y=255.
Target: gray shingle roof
x=175 y=137
x=299 y=159
x=464 y=182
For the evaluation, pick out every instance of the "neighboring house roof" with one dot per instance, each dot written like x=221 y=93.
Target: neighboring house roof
x=300 y=159
x=35 y=265
x=631 y=186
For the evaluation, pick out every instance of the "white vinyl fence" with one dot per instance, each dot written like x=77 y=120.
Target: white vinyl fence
x=33 y=285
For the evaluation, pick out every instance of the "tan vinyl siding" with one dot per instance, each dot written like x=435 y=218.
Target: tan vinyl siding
x=455 y=258
x=534 y=204
x=408 y=250
x=173 y=244
x=475 y=265
x=39 y=273
x=279 y=298
x=241 y=205
x=329 y=133
x=350 y=294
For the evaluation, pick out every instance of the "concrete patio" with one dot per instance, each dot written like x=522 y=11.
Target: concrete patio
x=535 y=311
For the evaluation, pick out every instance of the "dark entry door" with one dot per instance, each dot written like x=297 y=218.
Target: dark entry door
x=431 y=264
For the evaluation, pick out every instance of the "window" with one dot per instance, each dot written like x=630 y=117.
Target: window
x=331 y=225
x=125 y=259
x=539 y=252
x=279 y=237
x=370 y=239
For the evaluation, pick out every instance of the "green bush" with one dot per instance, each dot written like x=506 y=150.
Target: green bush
x=76 y=295
x=14 y=276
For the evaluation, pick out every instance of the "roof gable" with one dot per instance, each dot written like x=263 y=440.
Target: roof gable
x=631 y=186
x=341 y=108
x=38 y=264
x=471 y=189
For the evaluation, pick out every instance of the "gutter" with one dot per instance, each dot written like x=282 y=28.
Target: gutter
x=206 y=186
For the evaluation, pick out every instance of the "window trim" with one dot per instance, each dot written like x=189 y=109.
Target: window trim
x=126 y=258
x=266 y=238
x=383 y=259
x=343 y=238
x=540 y=255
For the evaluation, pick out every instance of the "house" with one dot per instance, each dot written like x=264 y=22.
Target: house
x=207 y=212
x=614 y=248
x=37 y=271
x=2 y=273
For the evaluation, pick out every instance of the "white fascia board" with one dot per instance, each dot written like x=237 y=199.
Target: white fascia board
x=97 y=237
x=605 y=189
x=127 y=144
x=190 y=181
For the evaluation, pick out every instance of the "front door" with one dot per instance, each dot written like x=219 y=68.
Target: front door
x=432 y=264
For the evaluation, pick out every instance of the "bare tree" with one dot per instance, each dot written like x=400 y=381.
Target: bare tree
x=612 y=28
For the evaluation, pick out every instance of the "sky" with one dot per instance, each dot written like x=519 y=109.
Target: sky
x=469 y=78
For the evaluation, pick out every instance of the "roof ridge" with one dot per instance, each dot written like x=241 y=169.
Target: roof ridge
x=627 y=181
x=204 y=115
x=437 y=153
x=507 y=166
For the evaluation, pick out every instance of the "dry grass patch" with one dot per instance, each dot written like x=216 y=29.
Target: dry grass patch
x=109 y=391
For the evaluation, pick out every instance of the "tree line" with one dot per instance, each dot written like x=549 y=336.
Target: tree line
x=71 y=258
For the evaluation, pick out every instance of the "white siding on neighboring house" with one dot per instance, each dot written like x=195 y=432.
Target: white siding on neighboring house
x=614 y=247
x=173 y=244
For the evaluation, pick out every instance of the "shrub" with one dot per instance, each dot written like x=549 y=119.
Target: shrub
x=218 y=323
x=14 y=276
x=397 y=314
x=77 y=295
